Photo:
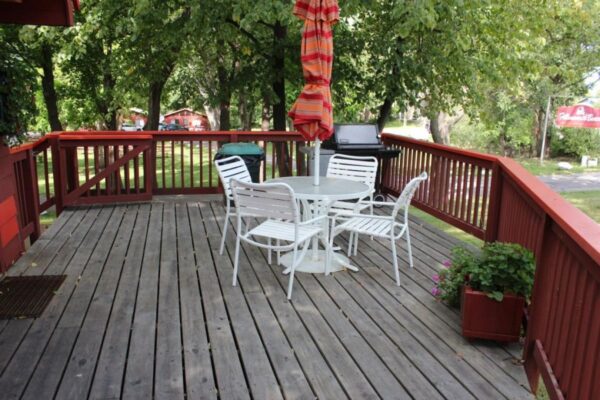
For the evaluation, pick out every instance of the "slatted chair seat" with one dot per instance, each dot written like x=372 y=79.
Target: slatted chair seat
x=282 y=230
x=369 y=226
x=379 y=225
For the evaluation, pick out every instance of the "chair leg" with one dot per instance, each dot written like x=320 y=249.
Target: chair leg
x=269 y=251
x=410 y=257
x=395 y=262
x=278 y=252
x=292 y=270
x=350 y=242
x=356 y=243
x=236 y=261
x=227 y=216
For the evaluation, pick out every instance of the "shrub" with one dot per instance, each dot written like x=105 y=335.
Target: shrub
x=572 y=142
x=499 y=268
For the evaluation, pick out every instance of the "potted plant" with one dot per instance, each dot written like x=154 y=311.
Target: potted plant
x=492 y=288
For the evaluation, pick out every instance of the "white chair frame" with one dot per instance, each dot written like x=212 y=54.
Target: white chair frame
x=276 y=203
x=383 y=226
x=356 y=168
x=230 y=168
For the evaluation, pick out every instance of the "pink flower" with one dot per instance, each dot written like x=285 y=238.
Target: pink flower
x=436 y=291
x=436 y=278
x=447 y=263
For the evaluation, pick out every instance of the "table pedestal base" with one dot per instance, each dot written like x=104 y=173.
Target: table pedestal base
x=317 y=265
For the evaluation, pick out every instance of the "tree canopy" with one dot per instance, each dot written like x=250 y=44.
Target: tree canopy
x=497 y=61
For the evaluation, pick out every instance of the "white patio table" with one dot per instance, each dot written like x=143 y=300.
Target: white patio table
x=317 y=200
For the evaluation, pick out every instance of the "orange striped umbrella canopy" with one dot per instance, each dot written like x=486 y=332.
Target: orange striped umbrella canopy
x=312 y=112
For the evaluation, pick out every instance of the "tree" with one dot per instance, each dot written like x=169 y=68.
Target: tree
x=159 y=31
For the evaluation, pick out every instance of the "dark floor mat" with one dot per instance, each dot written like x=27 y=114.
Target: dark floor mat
x=27 y=296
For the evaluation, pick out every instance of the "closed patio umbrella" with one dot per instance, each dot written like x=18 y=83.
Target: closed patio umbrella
x=312 y=112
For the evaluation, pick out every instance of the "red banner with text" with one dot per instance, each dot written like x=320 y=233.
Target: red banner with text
x=578 y=117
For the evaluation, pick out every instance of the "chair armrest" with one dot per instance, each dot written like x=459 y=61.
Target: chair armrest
x=313 y=220
x=348 y=216
x=379 y=203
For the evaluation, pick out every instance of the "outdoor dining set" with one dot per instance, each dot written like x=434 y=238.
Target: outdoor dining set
x=299 y=220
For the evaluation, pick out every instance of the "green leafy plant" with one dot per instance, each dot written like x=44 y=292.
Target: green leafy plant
x=498 y=269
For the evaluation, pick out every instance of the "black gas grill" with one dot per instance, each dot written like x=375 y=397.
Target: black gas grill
x=361 y=140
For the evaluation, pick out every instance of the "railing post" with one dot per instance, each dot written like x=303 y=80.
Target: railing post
x=57 y=171
x=32 y=195
x=153 y=173
x=149 y=170
x=539 y=310
x=491 y=230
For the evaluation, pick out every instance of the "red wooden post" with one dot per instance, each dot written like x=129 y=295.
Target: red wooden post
x=57 y=172
x=491 y=230
x=32 y=194
x=149 y=170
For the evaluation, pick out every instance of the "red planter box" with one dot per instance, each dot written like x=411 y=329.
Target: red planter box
x=485 y=318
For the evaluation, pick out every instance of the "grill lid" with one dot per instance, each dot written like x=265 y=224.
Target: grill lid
x=356 y=134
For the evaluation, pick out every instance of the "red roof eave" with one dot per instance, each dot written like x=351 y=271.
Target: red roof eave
x=38 y=12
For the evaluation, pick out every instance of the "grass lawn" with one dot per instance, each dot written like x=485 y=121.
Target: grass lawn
x=550 y=167
x=588 y=202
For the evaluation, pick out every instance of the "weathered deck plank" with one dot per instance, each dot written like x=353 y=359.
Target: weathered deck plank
x=108 y=378
x=139 y=373
x=148 y=311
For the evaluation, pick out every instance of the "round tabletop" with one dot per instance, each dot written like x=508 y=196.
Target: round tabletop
x=329 y=188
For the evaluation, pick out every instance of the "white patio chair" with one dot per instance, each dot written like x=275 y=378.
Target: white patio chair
x=384 y=226
x=276 y=203
x=230 y=168
x=354 y=168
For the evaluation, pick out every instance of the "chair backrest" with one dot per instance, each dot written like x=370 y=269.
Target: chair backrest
x=355 y=168
x=407 y=194
x=268 y=200
x=230 y=168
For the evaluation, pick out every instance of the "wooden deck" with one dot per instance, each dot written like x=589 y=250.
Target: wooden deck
x=148 y=311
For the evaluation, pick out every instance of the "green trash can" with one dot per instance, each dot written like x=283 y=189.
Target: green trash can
x=251 y=153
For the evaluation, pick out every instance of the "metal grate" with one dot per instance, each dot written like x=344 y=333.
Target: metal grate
x=27 y=296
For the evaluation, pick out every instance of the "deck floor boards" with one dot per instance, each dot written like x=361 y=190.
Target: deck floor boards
x=148 y=311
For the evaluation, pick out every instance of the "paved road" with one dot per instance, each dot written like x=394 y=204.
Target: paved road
x=573 y=182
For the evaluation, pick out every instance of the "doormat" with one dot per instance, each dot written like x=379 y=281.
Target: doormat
x=27 y=296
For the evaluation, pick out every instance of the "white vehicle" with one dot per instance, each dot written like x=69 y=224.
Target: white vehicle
x=129 y=127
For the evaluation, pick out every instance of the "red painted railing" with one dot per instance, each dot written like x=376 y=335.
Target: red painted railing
x=73 y=168
x=459 y=189
x=496 y=199
x=491 y=197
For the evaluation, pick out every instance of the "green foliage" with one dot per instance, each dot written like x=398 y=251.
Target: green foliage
x=18 y=83
x=500 y=268
x=573 y=142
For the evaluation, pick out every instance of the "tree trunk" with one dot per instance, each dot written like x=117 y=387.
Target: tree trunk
x=245 y=111
x=225 y=103
x=266 y=115
x=224 y=116
x=48 y=89
x=384 y=113
x=214 y=117
x=279 y=108
x=440 y=128
x=154 y=96
x=441 y=125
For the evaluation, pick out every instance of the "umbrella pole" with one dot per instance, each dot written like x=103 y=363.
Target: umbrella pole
x=317 y=155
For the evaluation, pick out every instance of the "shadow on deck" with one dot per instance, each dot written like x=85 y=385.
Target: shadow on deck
x=148 y=310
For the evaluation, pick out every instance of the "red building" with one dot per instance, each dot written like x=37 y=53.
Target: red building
x=188 y=118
